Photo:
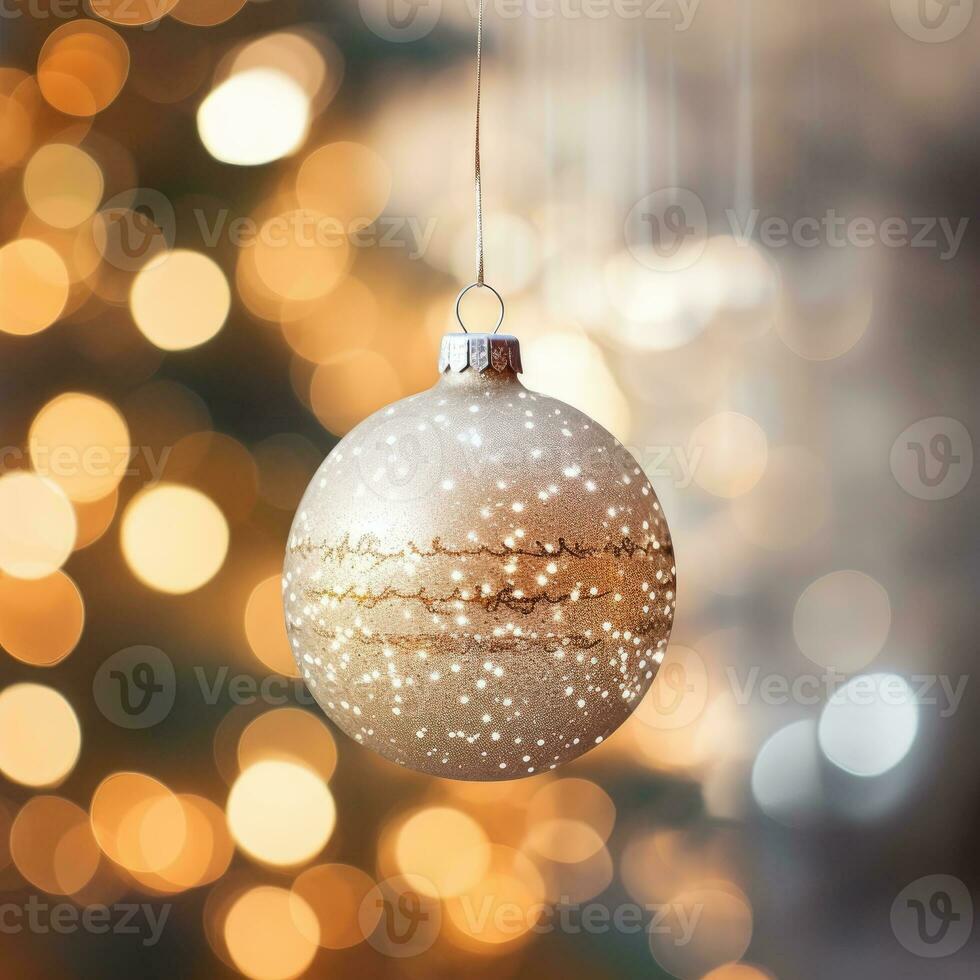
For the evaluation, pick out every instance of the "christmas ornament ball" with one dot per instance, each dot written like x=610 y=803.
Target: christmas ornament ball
x=479 y=581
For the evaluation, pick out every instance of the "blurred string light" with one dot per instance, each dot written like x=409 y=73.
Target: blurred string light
x=336 y=894
x=347 y=181
x=132 y=13
x=255 y=116
x=280 y=813
x=33 y=286
x=734 y=453
x=174 y=538
x=351 y=387
x=81 y=443
x=447 y=850
x=220 y=467
x=37 y=525
x=786 y=778
x=869 y=725
x=94 y=518
x=289 y=735
x=52 y=845
x=40 y=738
x=180 y=299
x=271 y=933
x=265 y=627
x=842 y=620
x=63 y=185
x=82 y=67
x=41 y=619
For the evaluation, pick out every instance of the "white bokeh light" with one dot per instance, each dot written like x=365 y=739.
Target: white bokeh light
x=868 y=726
x=786 y=774
x=254 y=117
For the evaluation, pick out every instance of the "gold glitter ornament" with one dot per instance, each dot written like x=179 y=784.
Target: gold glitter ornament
x=479 y=581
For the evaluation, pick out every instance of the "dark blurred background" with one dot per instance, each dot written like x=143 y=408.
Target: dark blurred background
x=741 y=236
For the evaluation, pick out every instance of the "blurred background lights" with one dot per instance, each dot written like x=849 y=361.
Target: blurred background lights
x=82 y=443
x=733 y=456
x=868 y=726
x=40 y=738
x=63 y=185
x=52 y=845
x=445 y=848
x=786 y=780
x=271 y=933
x=255 y=116
x=37 y=525
x=335 y=894
x=33 y=286
x=265 y=627
x=280 y=812
x=180 y=299
x=82 y=67
x=41 y=619
x=291 y=735
x=348 y=181
x=174 y=538
x=842 y=620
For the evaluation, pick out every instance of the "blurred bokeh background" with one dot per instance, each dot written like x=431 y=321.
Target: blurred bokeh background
x=736 y=233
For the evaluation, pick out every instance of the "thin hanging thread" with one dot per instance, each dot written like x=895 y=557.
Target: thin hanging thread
x=476 y=155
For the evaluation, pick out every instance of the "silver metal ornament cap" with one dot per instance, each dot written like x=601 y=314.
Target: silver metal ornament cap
x=479 y=351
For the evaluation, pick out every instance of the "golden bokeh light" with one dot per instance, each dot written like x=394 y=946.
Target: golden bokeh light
x=737 y=971
x=348 y=181
x=94 y=518
x=300 y=255
x=577 y=799
x=269 y=933
x=52 y=845
x=206 y=13
x=41 y=620
x=289 y=735
x=81 y=443
x=265 y=627
x=40 y=738
x=82 y=67
x=180 y=299
x=335 y=893
x=37 y=525
x=205 y=852
x=563 y=840
x=502 y=907
x=573 y=883
x=347 y=318
x=253 y=117
x=721 y=935
x=131 y=13
x=220 y=467
x=351 y=387
x=448 y=851
x=16 y=120
x=307 y=57
x=281 y=813
x=174 y=538
x=63 y=185
x=138 y=822
x=33 y=286
x=733 y=450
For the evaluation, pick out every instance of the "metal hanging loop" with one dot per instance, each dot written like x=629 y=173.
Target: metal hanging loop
x=479 y=285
